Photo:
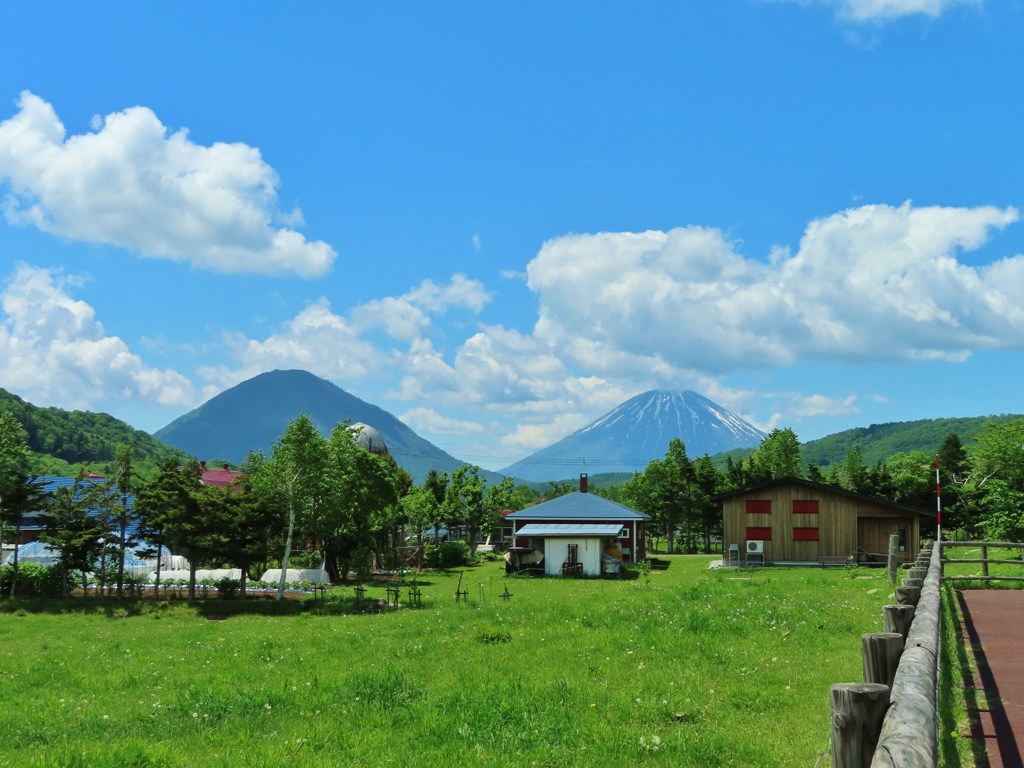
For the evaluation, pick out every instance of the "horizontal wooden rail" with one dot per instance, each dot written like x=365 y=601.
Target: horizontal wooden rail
x=985 y=561
x=909 y=737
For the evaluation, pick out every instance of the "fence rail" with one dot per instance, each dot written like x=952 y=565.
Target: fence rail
x=984 y=560
x=891 y=719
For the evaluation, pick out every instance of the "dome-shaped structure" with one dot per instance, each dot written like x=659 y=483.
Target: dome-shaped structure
x=368 y=437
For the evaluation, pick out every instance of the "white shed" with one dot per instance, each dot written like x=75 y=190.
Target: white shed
x=571 y=545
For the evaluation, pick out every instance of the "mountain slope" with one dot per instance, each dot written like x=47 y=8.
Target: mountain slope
x=255 y=413
x=629 y=436
x=63 y=442
x=879 y=441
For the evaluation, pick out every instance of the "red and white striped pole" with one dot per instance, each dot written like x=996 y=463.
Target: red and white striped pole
x=938 y=501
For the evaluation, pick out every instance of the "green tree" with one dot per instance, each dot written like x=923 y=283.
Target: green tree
x=777 y=457
x=708 y=483
x=437 y=485
x=14 y=466
x=72 y=529
x=296 y=477
x=25 y=494
x=999 y=452
x=123 y=483
x=168 y=503
x=364 y=498
x=465 y=502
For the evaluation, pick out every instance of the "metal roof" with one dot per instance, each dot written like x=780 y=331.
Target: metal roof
x=568 y=529
x=578 y=506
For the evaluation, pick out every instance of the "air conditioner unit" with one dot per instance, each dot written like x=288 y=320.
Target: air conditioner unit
x=755 y=547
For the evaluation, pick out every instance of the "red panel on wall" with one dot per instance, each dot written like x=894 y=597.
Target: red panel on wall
x=805 y=534
x=755 y=506
x=759 y=533
x=805 y=506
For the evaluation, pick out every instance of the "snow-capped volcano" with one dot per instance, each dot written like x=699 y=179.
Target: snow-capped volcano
x=629 y=436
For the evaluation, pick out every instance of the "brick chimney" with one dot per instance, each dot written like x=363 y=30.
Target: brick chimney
x=583 y=482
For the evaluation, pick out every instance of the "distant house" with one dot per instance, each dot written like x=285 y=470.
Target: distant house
x=29 y=526
x=574 y=532
x=222 y=478
x=799 y=521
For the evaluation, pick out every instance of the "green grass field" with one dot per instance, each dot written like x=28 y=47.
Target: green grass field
x=686 y=667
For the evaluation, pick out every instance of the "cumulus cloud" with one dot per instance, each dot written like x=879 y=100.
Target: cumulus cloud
x=317 y=340
x=406 y=317
x=878 y=11
x=133 y=184
x=429 y=420
x=52 y=346
x=875 y=283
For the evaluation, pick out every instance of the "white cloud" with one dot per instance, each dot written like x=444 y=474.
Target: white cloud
x=54 y=351
x=131 y=184
x=406 y=317
x=316 y=340
x=862 y=11
x=875 y=283
x=885 y=10
x=429 y=420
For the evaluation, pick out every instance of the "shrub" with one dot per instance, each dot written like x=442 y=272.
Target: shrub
x=362 y=563
x=228 y=588
x=33 y=580
x=446 y=554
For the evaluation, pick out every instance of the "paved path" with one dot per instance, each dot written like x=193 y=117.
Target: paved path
x=994 y=628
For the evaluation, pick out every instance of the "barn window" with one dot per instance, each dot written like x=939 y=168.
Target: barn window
x=759 y=532
x=759 y=506
x=805 y=506
x=805 y=534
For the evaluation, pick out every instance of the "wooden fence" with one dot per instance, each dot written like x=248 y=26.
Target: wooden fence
x=891 y=719
x=984 y=560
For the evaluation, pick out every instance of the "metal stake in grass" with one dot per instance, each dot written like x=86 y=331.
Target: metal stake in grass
x=360 y=590
x=461 y=595
x=392 y=591
x=506 y=595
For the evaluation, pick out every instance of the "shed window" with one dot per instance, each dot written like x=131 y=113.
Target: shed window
x=805 y=534
x=805 y=506
x=759 y=506
x=764 y=533
x=624 y=533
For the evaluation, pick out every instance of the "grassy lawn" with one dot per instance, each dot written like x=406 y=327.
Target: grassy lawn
x=686 y=667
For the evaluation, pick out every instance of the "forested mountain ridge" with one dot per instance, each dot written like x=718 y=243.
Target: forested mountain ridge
x=878 y=442
x=65 y=442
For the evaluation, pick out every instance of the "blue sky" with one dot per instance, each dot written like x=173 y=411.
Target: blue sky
x=499 y=221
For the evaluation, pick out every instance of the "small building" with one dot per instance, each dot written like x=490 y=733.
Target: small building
x=793 y=520
x=221 y=478
x=576 y=532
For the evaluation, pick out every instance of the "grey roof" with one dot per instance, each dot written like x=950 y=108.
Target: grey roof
x=569 y=529
x=578 y=506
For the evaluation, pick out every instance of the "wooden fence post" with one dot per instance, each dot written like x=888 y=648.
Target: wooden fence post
x=857 y=713
x=984 y=559
x=908 y=595
x=894 y=546
x=881 y=652
x=908 y=582
x=898 y=618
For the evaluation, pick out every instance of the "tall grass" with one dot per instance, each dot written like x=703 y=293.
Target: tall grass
x=689 y=668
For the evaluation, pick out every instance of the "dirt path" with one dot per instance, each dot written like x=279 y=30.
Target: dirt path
x=994 y=628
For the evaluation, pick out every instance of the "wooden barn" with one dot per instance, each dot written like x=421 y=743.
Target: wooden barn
x=575 y=532
x=799 y=521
